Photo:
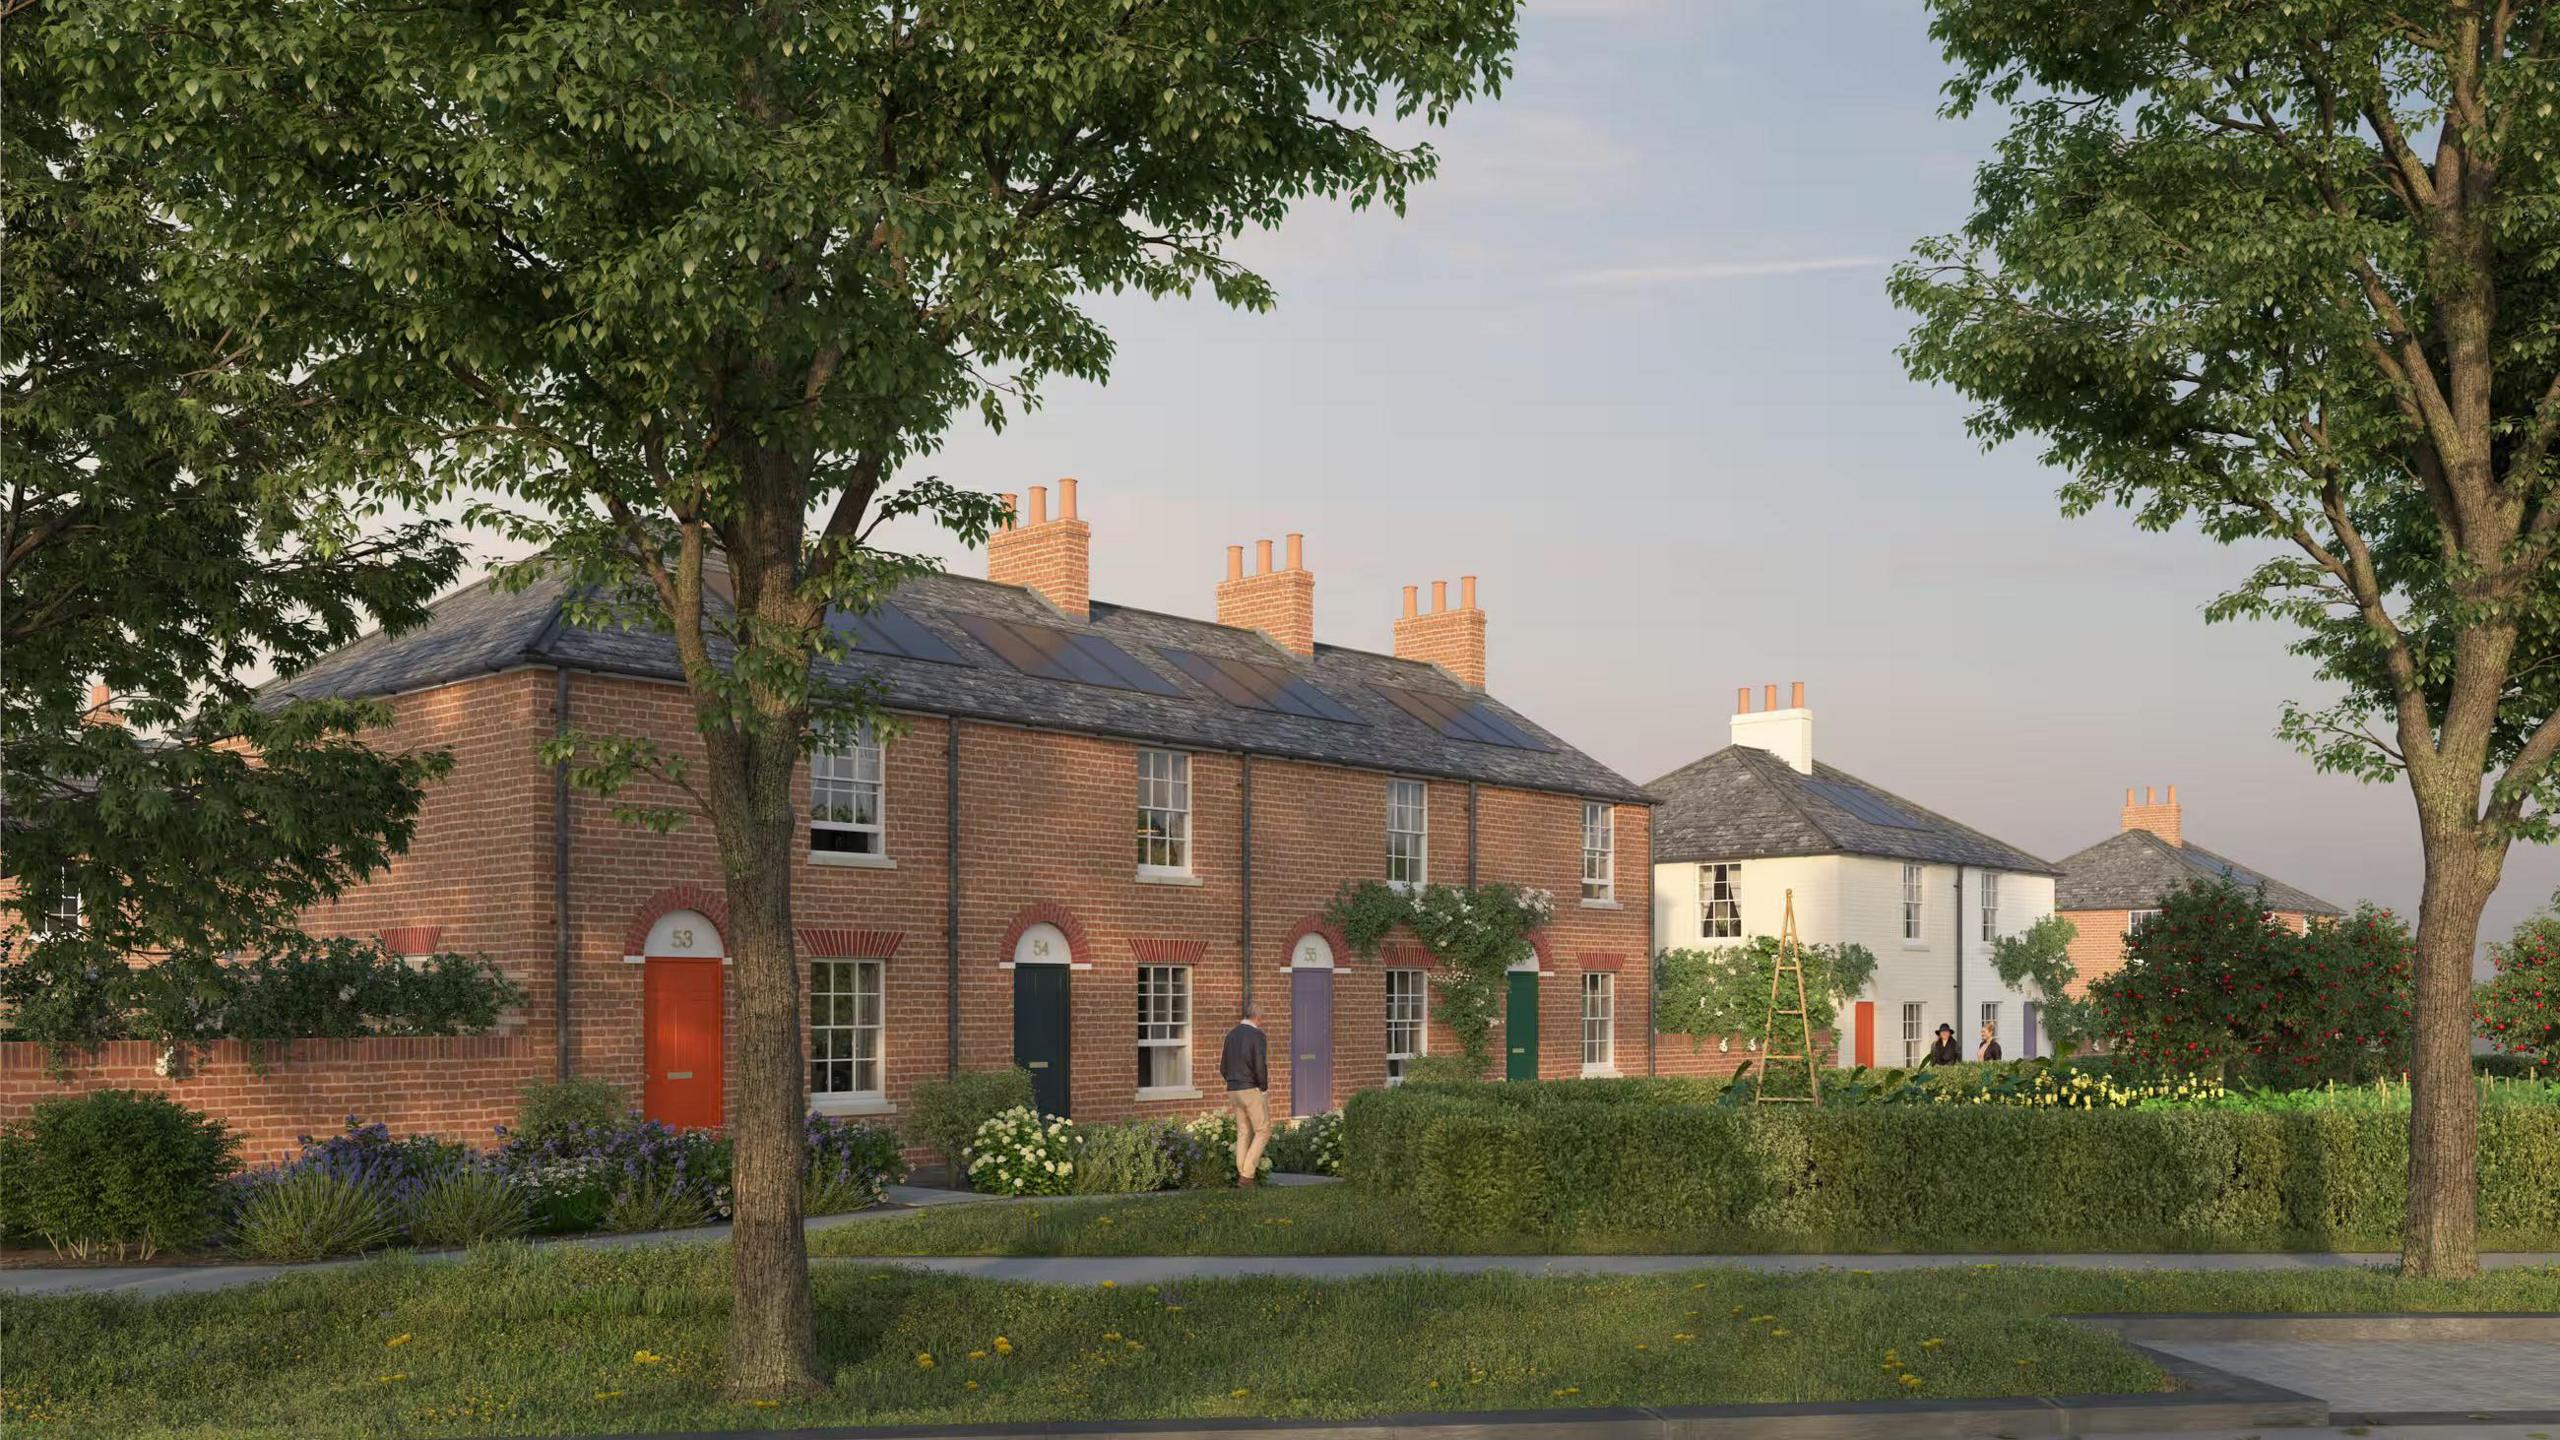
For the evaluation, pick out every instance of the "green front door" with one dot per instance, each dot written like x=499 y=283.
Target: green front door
x=1520 y=1028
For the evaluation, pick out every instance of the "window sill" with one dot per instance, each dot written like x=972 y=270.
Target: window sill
x=1599 y=1072
x=1602 y=905
x=1169 y=1092
x=850 y=860
x=1915 y=944
x=851 y=1105
x=1147 y=876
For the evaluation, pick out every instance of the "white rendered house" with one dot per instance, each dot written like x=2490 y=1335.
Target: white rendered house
x=1735 y=830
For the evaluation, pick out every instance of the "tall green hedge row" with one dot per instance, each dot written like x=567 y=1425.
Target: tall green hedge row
x=1562 y=1159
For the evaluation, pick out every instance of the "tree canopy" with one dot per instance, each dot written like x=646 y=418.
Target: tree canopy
x=168 y=524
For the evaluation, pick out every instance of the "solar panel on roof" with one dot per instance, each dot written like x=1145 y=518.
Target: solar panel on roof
x=887 y=630
x=1459 y=719
x=1052 y=654
x=2219 y=868
x=1865 y=804
x=1258 y=687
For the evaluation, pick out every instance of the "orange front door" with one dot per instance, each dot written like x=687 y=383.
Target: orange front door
x=682 y=1043
x=1866 y=1032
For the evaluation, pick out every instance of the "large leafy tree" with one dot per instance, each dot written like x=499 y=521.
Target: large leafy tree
x=690 y=283
x=167 y=528
x=2290 y=270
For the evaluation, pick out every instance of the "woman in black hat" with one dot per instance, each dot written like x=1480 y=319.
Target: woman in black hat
x=1944 y=1050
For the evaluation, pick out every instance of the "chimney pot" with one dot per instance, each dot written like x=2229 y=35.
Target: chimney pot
x=1770 y=701
x=1466 y=592
x=1067 y=499
x=1411 y=600
x=1439 y=596
x=2173 y=794
x=1039 y=504
x=1297 y=551
x=1261 y=557
x=1795 y=699
x=2146 y=795
x=1742 y=700
x=2128 y=795
x=1235 y=562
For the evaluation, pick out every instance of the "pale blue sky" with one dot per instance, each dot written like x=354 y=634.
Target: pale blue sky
x=1588 y=368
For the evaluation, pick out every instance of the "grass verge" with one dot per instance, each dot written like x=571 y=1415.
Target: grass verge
x=517 y=1341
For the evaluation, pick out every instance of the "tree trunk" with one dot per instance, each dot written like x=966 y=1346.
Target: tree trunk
x=2440 y=1236
x=772 y=1349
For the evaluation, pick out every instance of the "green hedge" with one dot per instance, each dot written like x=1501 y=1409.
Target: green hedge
x=1564 y=1158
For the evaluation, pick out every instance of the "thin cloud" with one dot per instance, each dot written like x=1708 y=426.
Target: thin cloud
x=1709 y=271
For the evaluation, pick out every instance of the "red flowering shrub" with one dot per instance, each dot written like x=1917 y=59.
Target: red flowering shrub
x=2214 y=983
x=2519 y=1009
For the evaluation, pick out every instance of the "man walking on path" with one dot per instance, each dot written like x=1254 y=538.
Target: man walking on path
x=1245 y=1062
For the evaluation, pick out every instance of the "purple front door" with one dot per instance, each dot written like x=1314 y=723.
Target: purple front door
x=1310 y=1042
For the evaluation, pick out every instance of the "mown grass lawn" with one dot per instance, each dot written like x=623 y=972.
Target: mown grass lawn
x=517 y=1341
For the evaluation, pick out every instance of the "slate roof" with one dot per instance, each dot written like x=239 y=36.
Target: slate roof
x=482 y=628
x=1743 y=803
x=2135 y=870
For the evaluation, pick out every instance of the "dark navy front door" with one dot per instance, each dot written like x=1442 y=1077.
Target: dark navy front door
x=1040 y=1032
x=1310 y=1042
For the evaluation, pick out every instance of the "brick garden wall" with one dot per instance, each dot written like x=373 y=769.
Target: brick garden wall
x=457 y=1087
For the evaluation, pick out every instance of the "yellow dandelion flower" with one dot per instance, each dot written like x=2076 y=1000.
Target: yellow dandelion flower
x=1003 y=1346
x=396 y=1341
x=1762 y=1319
x=971 y=1384
x=1134 y=1347
x=647 y=1357
x=1238 y=1394
x=1737 y=1309
x=977 y=1354
x=765 y=1404
x=1109 y=1335
x=1110 y=1284
x=924 y=1359
x=391 y=1379
x=1434 y=1384
x=1910 y=1379
x=1701 y=1285
x=608 y=1394
x=1684 y=1337
x=1642 y=1346
x=1568 y=1390
x=1780 y=1330
x=1932 y=1343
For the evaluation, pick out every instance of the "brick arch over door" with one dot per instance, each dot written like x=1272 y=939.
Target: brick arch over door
x=1538 y=947
x=1048 y=912
x=709 y=904
x=1317 y=925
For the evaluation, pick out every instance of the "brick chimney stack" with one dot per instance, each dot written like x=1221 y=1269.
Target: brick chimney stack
x=1280 y=603
x=1787 y=734
x=1450 y=639
x=102 y=706
x=2160 y=817
x=1053 y=557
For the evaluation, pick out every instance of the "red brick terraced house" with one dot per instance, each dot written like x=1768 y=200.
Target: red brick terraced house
x=1092 y=832
x=2108 y=888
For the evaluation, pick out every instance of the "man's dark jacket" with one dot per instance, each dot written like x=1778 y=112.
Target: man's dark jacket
x=1245 y=1060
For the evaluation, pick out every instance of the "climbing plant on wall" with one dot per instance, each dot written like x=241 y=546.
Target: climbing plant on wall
x=1476 y=933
